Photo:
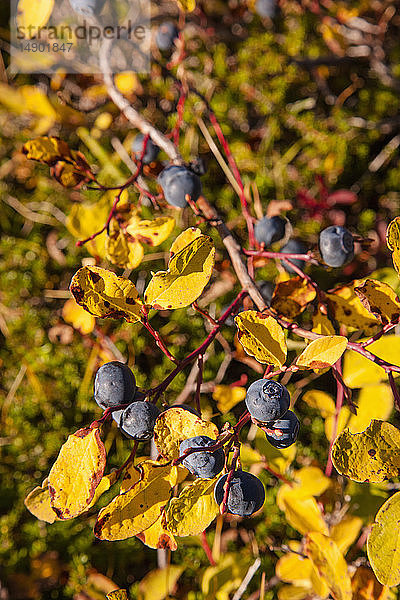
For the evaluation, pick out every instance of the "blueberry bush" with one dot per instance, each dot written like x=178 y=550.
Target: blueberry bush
x=222 y=422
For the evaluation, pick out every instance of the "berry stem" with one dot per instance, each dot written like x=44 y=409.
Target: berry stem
x=157 y=337
x=206 y=548
x=200 y=363
x=227 y=485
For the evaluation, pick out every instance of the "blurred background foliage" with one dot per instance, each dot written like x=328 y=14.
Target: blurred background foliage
x=305 y=111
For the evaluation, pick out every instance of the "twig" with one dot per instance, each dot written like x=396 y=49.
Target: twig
x=339 y=403
x=248 y=577
x=199 y=382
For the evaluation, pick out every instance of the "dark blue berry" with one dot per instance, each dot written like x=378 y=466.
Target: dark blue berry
x=270 y=229
x=202 y=464
x=114 y=384
x=246 y=493
x=267 y=400
x=138 y=420
x=151 y=152
x=294 y=247
x=336 y=245
x=177 y=182
x=283 y=432
x=266 y=290
x=87 y=8
x=166 y=35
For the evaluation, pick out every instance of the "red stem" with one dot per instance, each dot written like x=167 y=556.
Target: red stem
x=227 y=485
x=339 y=403
x=158 y=339
x=207 y=549
x=199 y=382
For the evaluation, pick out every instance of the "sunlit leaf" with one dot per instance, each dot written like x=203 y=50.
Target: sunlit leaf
x=348 y=310
x=295 y=592
x=76 y=473
x=383 y=545
x=321 y=401
x=38 y=503
x=323 y=352
x=158 y=535
x=346 y=532
x=330 y=564
x=194 y=509
x=185 y=238
x=321 y=324
x=380 y=300
x=393 y=241
x=189 y=271
x=293 y=568
x=159 y=583
x=291 y=297
x=85 y=219
x=32 y=14
x=262 y=337
x=311 y=481
x=103 y=294
x=153 y=232
x=373 y=455
x=187 y=5
x=301 y=512
x=177 y=424
x=121 y=251
x=359 y=371
x=227 y=397
x=106 y=482
x=79 y=318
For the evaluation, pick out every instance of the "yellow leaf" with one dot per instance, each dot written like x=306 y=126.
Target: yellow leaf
x=330 y=564
x=34 y=13
x=311 y=481
x=85 y=219
x=341 y=423
x=133 y=473
x=189 y=271
x=118 y=595
x=321 y=324
x=345 y=533
x=293 y=568
x=152 y=233
x=383 y=545
x=122 y=251
x=38 y=503
x=261 y=337
x=365 y=585
x=348 y=310
x=184 y=239
x=76 y=473
x=294 y=592
x=323 y=352
x=137 y=509
x=79 y=318
x=103 y=294
x=159 y=583
x=177 y=424
x=301 y=512
x=158 y=535
x=380 y=300
x=227 y=397
x=321 y=401
x=359 y=371
x=393 y=241
x=194 y=509
x=291 y=297
x=278 y=459
x=126 y=82
x=370 y=456
x=187 y=5
x=106 y=482
x=47 y=150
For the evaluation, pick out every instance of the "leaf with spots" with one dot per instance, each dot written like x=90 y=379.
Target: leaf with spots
x=158 y=535
x=383 y=545
x=177 y=424
x=38 y=503
x=380 y=300
x=104 y=294
x=346 y=307
x=194 y=509
x=152 y=233
x=185 y=238
x=291 y=297
x=135 y=510
x=262 y=337
x=371 y=456
x=76 y=473
x=393 y=241
x=189 y=271
x=322 y=353
x=47 y=150
x=122 y=251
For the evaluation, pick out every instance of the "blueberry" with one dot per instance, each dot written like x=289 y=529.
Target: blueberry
x=177 y=182
x=116 y=415
x=266 y=8
x=267 y=400
x=138 y=420
x=114 y=384
x=270 y=229
x=266 y=289
x=166 y=35
x=294 y=247
x=283 y=432
x=246 y=493
x=198 y=166
x=336 y=245
x=87 y=8
x=202 y=464
x=151 y=152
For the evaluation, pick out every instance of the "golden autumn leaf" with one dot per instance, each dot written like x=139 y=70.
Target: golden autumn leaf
x=227 y=397
x=159 y=583
x=383 y=545
x=301 y=572
x=373 y=455
x=393 y=241
x=121 y=251
x=321 y=324
x=118 y=595
x=194 y=509
x=380 y=300
x=365 y=585
x=84 y=219
x=323 y=352
x=345 y=533
x=104 y=294
x=262 y=337
x=77 y=472
x=185 y=238
x=134 y=472
x=126 y=82
x=187 y=5
x=331 y=566
x=177 y=424
x=106 y=482
x=291 y=297
x=34 y=13
x=321 y=401
x=137 y=509
x=152 y=233
x=279 y=459
x=158 y=535
x=189 y=271
x=311 y=481
x=347 y=309
x=38 y=503
x=301 y=512
x=78 y=317
x=359 y=371
x=47 y=150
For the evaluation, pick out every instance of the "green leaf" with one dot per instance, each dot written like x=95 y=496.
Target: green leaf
x=383 y=545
